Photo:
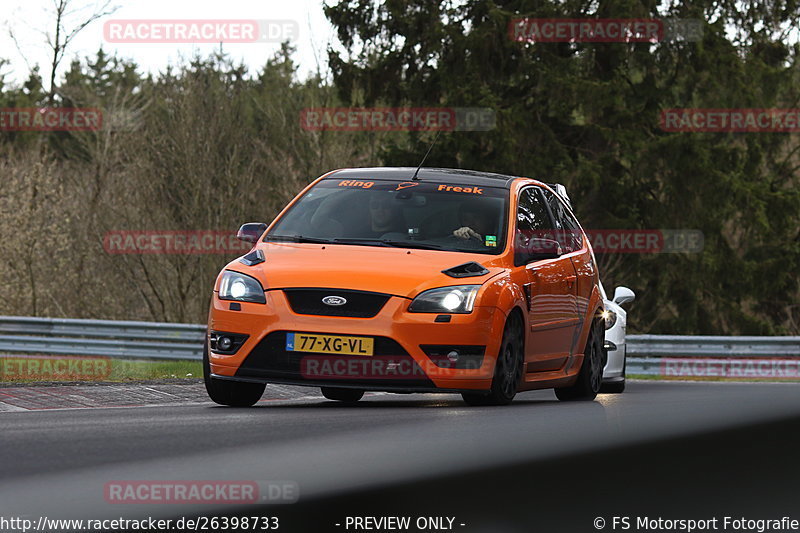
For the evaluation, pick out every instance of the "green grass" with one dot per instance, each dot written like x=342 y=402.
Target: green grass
x=649 y=377
x=123 y=370
x=49 y=369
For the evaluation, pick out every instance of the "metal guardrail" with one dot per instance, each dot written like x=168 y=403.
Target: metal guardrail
x=109 y=338
x=656 y=354
x=154 y=340
x=712 y=346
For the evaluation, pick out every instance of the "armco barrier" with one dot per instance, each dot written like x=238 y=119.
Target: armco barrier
x=154 y=340
x=70 y=336
x=714 y=356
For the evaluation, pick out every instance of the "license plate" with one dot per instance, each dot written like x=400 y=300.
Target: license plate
x=336 y=344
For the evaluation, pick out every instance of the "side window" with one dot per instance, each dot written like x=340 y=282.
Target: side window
x=532 y=217
x=556 y=208
x=571 y=226
x=570 y=232
x=535 y=231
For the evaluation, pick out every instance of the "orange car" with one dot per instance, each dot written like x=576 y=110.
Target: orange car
x=383 y=279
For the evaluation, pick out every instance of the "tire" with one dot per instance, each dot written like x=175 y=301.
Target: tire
x=507 y=369
x=590 y=376
x=342 y=395
x=230 y=393
x=616 y=387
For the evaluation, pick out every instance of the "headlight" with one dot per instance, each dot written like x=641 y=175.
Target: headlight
x=459 y=299
x=240 y=287
x=610 y=318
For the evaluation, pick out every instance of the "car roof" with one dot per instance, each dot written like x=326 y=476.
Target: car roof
x=435 y=175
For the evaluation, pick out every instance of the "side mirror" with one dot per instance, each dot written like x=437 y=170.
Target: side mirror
x=623 y=295
x=536 y=250
x=251 y=231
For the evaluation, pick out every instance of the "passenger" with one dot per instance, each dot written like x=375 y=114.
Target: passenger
x=386 y=214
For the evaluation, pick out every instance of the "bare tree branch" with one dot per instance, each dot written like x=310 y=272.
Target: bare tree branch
x=19 y=48
x=63 y=37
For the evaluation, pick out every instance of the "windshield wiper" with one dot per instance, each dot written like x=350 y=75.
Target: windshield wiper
x=298 y=238
x=358 y=242
x=317 y=240
x=388 y=242
x=355 y=241
x=412 y=244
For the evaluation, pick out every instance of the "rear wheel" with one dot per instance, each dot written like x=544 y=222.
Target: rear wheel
x=590 y=376
x=342 y=395
x=231 y=393
x=507 y=369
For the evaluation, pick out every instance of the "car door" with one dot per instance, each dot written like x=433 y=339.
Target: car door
x=578 y=252
x=549 y=286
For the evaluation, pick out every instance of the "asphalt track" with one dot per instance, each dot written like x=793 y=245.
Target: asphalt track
x=671 y=449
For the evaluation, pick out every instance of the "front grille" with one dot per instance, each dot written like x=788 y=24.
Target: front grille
x=391 y=365
x=360 y=304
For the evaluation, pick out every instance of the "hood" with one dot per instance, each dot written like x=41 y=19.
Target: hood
x=396 y=271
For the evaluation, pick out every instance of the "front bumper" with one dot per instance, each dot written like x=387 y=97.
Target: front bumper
x=615 y=365
x=399 y=363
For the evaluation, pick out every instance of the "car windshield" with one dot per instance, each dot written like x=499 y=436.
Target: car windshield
x=414 y=214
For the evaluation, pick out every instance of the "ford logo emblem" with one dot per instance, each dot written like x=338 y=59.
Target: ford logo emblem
x=334 y=300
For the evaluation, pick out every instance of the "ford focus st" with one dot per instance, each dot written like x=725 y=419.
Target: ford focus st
x=387 y=279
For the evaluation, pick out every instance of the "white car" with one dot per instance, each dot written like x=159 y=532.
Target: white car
x=616 y=320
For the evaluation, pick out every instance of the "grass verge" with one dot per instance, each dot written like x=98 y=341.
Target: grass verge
x=43 y=368
x=650 y=377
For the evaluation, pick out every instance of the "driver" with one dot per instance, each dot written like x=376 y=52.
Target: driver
x=475 y=220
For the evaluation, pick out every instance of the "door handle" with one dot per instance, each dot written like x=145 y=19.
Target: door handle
x=570 y=280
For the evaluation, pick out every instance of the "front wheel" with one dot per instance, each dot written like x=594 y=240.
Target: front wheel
x=615 y=387
x=230 y=393
x=590 y=376
x=507 y=369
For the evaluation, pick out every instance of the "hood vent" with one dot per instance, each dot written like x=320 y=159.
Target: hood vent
x=253 y=258
x=467 y=270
